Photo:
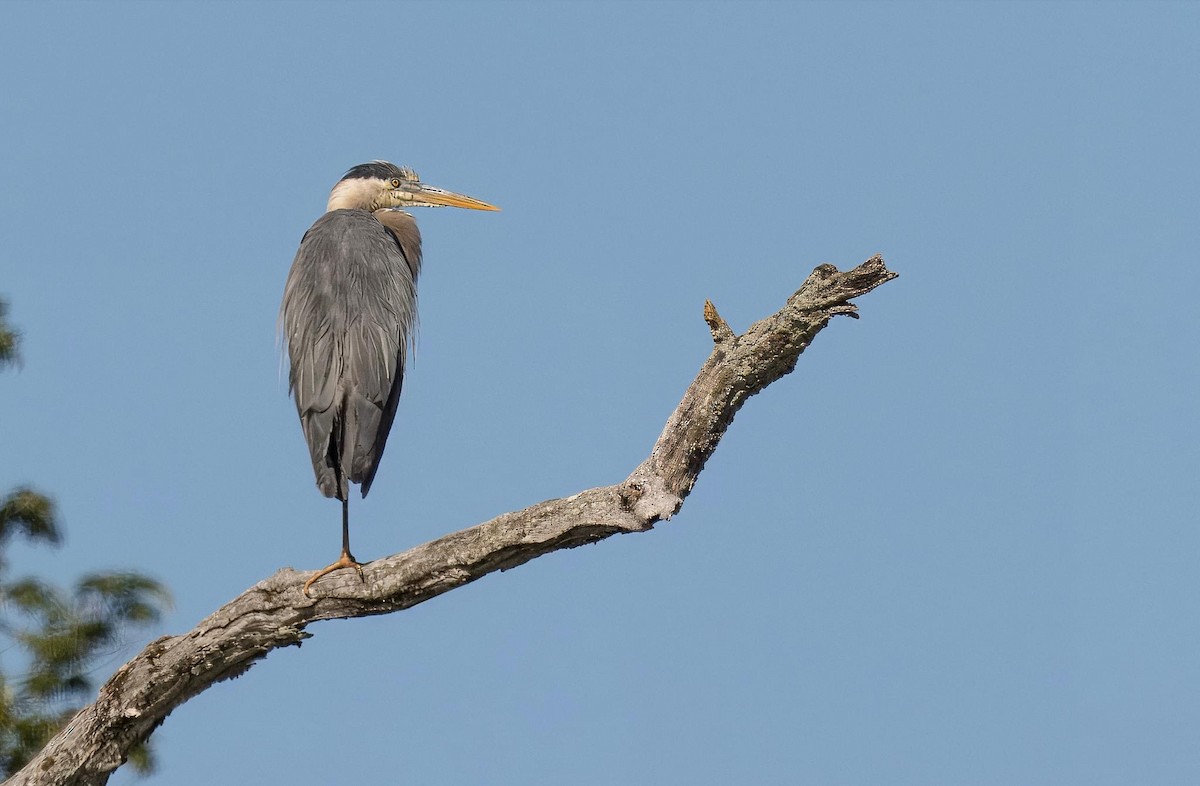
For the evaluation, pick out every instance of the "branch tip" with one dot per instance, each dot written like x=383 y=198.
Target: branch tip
x=718 y=327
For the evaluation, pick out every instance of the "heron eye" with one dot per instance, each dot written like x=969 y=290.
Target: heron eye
x=395 y=182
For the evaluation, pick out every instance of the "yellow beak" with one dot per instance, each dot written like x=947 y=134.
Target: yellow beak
x=421 y=195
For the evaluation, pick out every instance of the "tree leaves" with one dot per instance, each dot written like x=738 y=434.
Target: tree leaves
x=62 y=636
x=28 y=513
x=58 y=636
x=10 y=340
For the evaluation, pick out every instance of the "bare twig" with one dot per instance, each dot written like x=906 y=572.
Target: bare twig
x=274 y=613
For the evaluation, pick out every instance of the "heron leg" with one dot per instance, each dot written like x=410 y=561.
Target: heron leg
x=347 y=559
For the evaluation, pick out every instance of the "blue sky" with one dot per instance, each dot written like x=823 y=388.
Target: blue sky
x=957 y=545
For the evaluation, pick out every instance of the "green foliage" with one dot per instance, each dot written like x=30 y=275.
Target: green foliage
x=59 y=636
x=62 y=636
x=28 y=513
x=10 y=340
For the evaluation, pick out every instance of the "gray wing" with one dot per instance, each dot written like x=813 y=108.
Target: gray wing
x=348 y=314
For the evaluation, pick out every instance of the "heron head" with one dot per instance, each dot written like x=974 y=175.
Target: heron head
x=380 y=185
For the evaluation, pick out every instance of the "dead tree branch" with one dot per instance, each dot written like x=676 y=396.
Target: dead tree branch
x=274 y=613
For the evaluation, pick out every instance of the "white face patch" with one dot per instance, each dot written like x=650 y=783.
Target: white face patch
x=357 y=193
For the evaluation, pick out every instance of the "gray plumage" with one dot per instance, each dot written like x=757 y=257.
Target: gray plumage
x=348 y=315
x=349 y=310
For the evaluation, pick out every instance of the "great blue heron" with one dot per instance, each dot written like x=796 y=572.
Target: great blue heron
x=347 y=317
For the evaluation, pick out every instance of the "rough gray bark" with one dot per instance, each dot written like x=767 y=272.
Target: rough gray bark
x=274 y=613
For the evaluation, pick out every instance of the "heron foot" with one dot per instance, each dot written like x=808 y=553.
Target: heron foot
x=345 y=561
